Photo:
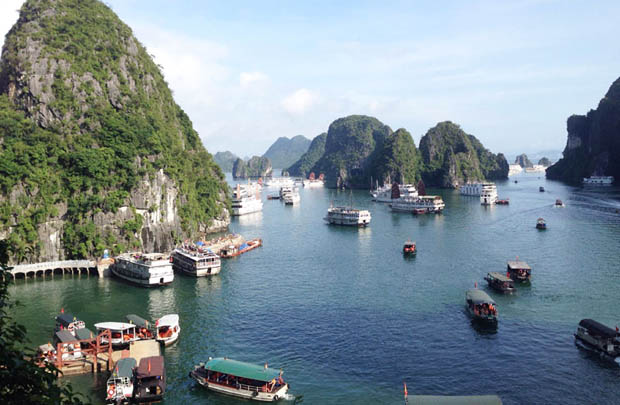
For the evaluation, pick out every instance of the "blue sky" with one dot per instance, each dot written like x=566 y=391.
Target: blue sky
x=509 y=73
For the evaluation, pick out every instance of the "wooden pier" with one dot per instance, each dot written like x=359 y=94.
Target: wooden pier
x=217 y=244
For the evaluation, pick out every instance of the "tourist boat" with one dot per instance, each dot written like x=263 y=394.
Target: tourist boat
x=122 y=333
x=424 y=203
x=481 y=307
x=486 y=191
x=273 y=197
x=541 y=189
x=410 y=248
x=144 y=327
x=232 y=250
x=503 y=202
x=313 y=183
x=150 y=380
x=69 y=345
x=500 y=282
x=290 y=195
x=347 y=216
x=519 y=271
x=594 y=336
x=279 y=182
x=240 y=379
x=119 y=387
x=144 y=269
x=194 y=260
x=559 y=203
x=388 y=192
x=69 y=323
x=599 y=180
x=245 y=201
x=168 y=329
x=541 y=224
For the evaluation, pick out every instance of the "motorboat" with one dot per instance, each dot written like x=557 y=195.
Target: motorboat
x=500 y=282
x=541 y=189
x=481 y=307
x=70 y=348
x=541 y=224
x=119 y=387
x=594 y=336
x=519 y=271
x=150 y=380
x=232 y=250
x=241 y=379
x=144 y=327
x=502 y=201
x=409 y=248
x=168 y=329
x=559 y=203
x=68 y=322
x=122 y=333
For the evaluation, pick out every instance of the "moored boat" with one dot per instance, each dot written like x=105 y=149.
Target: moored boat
x=500 y=282
x=168 y=329
x=119 y=387
x=418 y=205
x=347 y=216
x=232 y=250
x=144 y=328
x=245 y=201
x=122 y=333
x=481 y=307
x=503 y=202
x=195 y=260
x=144 y=269
x=598 y=180
x=69 y=345
x=68 y=322
x=410 y=248
x=388 y=192
x=150 y=380
x=519 y=271
x=594 y=336
x=240 y=379
x=541 y=224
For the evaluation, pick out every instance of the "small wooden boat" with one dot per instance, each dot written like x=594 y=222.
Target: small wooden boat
x=273 y=197
x=150 y=380
x=232 y=251
x=68 y=322
x=119 y=387
x=240 y=379
x=144 y=327
x=481 y=307
x=122 y=333
x=541 y=224
x=410 y=249
x=594 y=336
x=168 y=329
x=503 y=202
x=541 y=189
x=500 y=282
x=559 y=203
x=519 y=271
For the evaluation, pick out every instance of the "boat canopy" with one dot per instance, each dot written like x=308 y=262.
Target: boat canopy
x=454 y=400
x=66 y=319
x=64 y=336
x=138 y=321
x=598 y=329
x=124 y=368
x=500 y=277
x=167 y=320
x=479 y=297
x=114 y=326
x=150 y=367
x=84 y=334
x=518 y=265
x=242 y=369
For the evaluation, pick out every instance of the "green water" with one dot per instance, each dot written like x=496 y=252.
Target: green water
x=349 y=319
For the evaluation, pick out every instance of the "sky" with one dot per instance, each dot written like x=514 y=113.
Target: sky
x=248 y=72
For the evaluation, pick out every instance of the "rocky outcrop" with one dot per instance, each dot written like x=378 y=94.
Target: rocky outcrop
x=284 y=151
x=452 y=157
x=255 y=167
x=593 y=144
x=544 y=162
x=225 y=160
x=96 y=154
x=523 y=161
x=307 y=161
x=398 y=161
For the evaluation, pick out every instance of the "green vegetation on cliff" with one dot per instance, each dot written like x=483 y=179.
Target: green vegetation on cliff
x=284 y=152
x=399 y=161
x=85 y=118
x=255 y=167
x=307 y=161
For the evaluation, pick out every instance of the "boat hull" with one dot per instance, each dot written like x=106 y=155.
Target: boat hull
x=344 y=222
x=246 y=394
x=207 y=271
x=587 y=346
x=148 y=283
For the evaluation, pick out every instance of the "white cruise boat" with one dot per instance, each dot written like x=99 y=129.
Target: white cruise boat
x=387 y=192
x=313 y=183
x=599 y=180
x=419 y=205
x=144 y=269
x=276 y=182
x=290 y=195
x=347 y=216
x=245 y=202
x=195 y=261
x=486 y=191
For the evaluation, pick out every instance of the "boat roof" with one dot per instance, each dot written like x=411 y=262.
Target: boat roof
x=138 y=320
x=150 y=367
x=242 y=369
x=114 y=325
x=479 y=296
x=66 y=318
x=84 y=333
x=454 y=400
x=500 y=276
x=598 y=329
x=124 y=367
x=65 y=336
x=515 y=264
x=168 y=320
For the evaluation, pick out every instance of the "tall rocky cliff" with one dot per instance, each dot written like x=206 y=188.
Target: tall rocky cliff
x=593 y=145
x=284 y=151
x=523 y=161
x=95 y=152
x=307 y=161
x=255 y=167
x=452 y=157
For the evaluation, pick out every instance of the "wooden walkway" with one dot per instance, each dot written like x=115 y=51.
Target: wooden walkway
x=50 y=268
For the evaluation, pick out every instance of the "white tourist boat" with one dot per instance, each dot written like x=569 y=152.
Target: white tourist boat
x=122 y=333
x=245 y=202
x=290 y=195
x=277 y=182
x=144 y=269
x=168 y=329
x=195 y=260
x=119 y=387
x=418 y=205
x=599 y=180
x=387 y=192
x=486 y=191
x=347 y=216
x=313 y=183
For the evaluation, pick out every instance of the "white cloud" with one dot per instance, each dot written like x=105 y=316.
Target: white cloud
x=247 y=79
x=300 y=101
x=9 y=12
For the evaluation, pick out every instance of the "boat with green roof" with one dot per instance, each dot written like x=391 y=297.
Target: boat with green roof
x=240 y=379
x=120 y=384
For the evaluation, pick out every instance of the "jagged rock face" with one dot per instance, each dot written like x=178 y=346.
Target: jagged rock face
x=255 y=167
x=284 y=152
x=523 y=161
x=307 y=161
x=544 y=161
x=593 y=144
x=451 y=157
x=112 y=161
x=399 y=161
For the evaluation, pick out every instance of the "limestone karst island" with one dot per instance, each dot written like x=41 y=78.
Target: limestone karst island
x=318 y=203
